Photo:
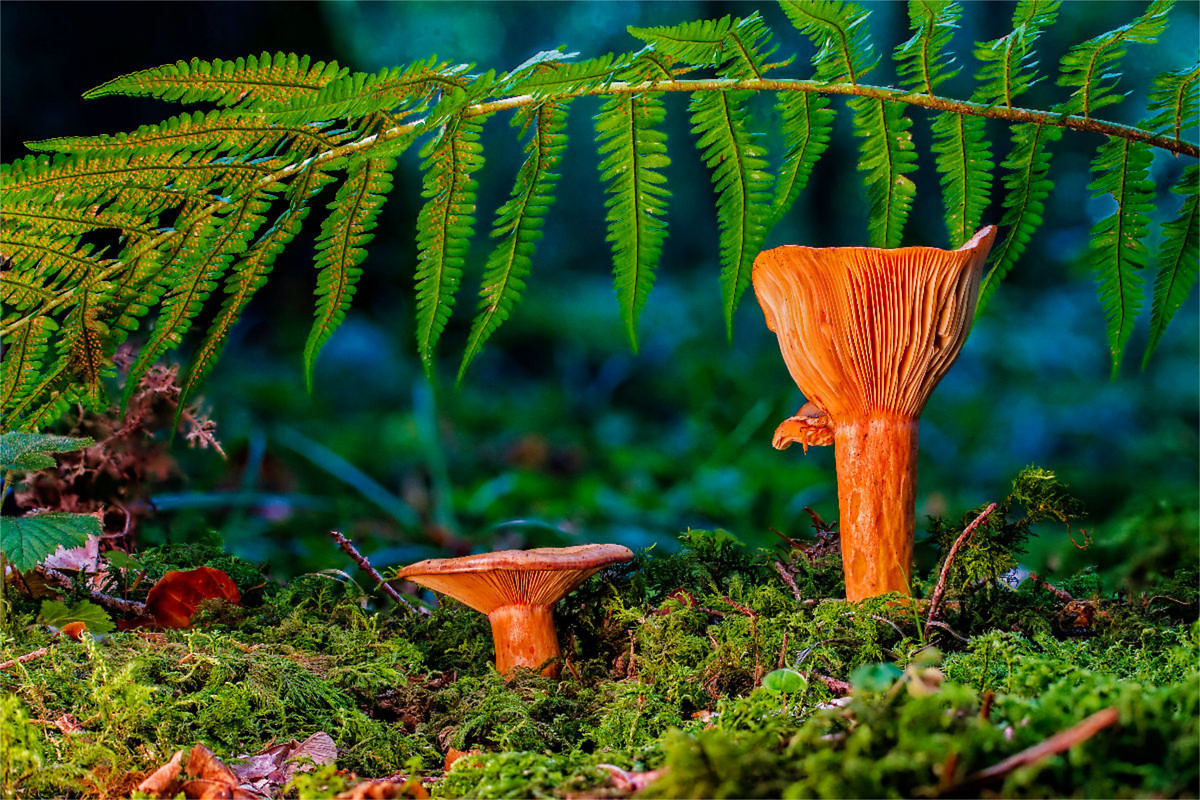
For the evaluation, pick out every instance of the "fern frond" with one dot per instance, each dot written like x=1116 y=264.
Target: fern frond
x=737 y=162
x=24 y=353
x=392 y=90
x=964 y=158
x=194 y=273
x=887 y=155
x=253 y=79
x=807 y=122
x=839 y=32
x=66 y=220
x=1178 y=259
x=1091 y=67
x=518 y=223
x=248 y=275
x=1008 y=68
x=84 y=339
x=46 y=398
x=733 y=46
x=341 y=249
x=444 y=226
x=46 y=263
x=922 y=61
x=557 y=78
x=1175 y=102
x=633 y=154
x=1028 y=186
x=215 y=132
x=1118 y=249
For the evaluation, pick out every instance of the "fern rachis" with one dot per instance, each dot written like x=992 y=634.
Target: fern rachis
x=187 y=195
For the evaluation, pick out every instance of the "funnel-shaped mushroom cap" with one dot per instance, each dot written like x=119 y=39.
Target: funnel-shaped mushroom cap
x=865 y=330
x=538 y=577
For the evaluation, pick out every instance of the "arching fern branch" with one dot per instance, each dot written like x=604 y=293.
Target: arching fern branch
x=210 y=197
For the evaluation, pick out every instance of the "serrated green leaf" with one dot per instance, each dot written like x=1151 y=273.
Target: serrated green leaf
x=633 y=154
x=27 y=541
x=923 y=61
x=839 y=32
x=887 y=155
x=1008 y=66
x=964 y=159
x=737 y=48
x=1174 y=103
x=27 y=452
x=518 y=223
x=807 y=123
x=58 y=614
x=1178 y=259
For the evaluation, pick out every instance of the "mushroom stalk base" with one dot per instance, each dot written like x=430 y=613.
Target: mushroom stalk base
x=877 y=482
x=524 y=637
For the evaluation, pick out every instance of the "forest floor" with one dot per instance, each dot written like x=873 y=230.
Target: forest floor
x=711 y=672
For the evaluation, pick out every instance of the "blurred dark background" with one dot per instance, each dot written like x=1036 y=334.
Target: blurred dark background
x=561 y=434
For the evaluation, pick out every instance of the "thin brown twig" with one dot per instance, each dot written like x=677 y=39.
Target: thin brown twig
x=840 y=688
x=1058 y=743
x=12 y=662
x=940 y=590
x=1061 y=594
x=58 y=579
x=789 y=580
x=349 y=549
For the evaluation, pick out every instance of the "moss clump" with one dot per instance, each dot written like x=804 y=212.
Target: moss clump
x=664 y=667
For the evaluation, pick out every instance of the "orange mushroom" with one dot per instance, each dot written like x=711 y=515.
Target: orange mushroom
x=517 y=589
x=867 y=333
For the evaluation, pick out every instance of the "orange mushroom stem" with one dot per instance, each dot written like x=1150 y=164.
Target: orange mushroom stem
x=517 y=589
x=867 y=334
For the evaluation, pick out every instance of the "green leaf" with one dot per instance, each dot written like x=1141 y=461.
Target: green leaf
x=518 y=222
x=445 y=226
x=784 y=681
x=1028 y=187
x=1090 y=68
x=27 y=541
x=1009 y=68
x=261 y=78
x=922 y=61
x=341 y=249
x=733 y=46
x=875 y=677
x=839 y=32
x=807 y=123
x=887 y=154
x=964 y=159
x=1118 y=250
x=633 y=154
x=737 y=162
x=27 y=451
x=56 y=613
x=1175 y=103
x=24 y=353
x=1177 y=259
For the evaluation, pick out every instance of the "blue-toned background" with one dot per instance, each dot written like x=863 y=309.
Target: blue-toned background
x=559 y=423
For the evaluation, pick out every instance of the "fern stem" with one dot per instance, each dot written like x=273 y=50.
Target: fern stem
x=889 y=94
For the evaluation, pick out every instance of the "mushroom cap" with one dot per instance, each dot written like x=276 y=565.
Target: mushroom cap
x=541 y=576
x=866 y=330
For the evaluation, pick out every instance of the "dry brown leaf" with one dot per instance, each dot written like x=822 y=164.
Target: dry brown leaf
x=632 y=782
x=454 y=755
x=174 y=599
x=386 y=790
x=160 y=781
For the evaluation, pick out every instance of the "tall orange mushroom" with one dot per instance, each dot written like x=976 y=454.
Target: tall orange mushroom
x=517 y=589
x=867 y=333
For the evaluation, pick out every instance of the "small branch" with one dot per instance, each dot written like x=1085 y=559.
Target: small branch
x=940 y=590
x=41 y=651
x=1061 y=594
x=362 y=562
x=840 y=688
x=131 y=607
x=789 y=580
x=1058 y=743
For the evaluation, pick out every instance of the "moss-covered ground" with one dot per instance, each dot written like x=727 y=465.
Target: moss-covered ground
x=672 y=664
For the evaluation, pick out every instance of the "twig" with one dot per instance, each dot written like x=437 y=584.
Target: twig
x=362 y=562
x=1061 y=594
x=840 y=688
x=782 y=651
x=41 y=651
x=940 y=590
x=985 y=711
x=1058 y=743
x=789 y=580
x=132 y=607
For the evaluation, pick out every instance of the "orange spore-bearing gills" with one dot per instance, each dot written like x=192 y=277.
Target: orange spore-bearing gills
x=517 y=589
x=867 y=334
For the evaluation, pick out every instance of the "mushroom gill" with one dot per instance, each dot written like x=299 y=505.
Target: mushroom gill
x=867 y=334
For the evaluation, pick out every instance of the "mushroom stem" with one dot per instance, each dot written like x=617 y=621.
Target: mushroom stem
x=524 y=636
x=877 y=482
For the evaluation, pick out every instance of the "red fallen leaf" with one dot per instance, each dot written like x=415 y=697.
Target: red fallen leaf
x=159 y=781
x=386 y=790
x=454 y=755
x=75 y=630
x=175 y=597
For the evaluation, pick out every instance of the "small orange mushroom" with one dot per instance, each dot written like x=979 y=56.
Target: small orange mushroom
x=517 y=589
x=867 y=334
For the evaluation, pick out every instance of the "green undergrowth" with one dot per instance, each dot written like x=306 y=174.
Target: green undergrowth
x=704 y=665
